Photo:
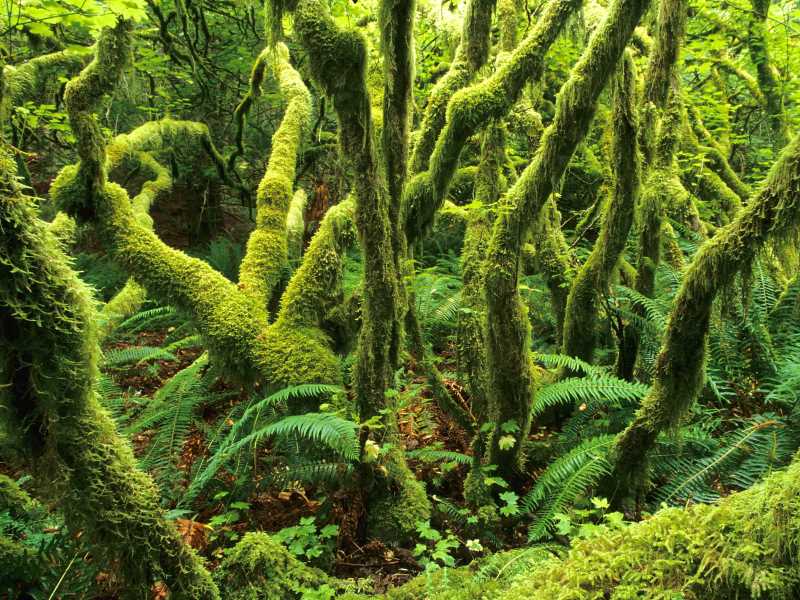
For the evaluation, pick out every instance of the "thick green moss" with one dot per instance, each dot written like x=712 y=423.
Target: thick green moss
x=508 y=14
x=398 y=501
x=746 y=547
x=772 y=215
x=267 y=248
x=550 y=255
x=232 y=323
x=316 y=286
x=13 y=498
x=82 y=96
x=715 y=152
x=64 y=227
x=471 y=334
x=580 y=322
x=259 y=568
x=338 y=62
x=47 y=324
x=28 y=80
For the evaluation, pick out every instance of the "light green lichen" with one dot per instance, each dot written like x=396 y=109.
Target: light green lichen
x=296 y=225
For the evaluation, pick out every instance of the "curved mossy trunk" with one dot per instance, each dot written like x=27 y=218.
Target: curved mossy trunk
x=715 y=153
x=472 y=108
x=337 y=59
x=508 y=339
x=767 y=81
x=47 y=387
x=232 y=323
x=772 y=215
x=580 y=323
x=267 y=252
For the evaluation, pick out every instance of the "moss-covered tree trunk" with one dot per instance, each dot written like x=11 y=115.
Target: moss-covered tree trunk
x=767 y=81
x=338 y=62
x=508 y=337
x=580 y=322
x=772 y=215
x=48 y=369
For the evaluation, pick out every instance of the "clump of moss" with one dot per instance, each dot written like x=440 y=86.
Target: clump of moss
x=399 y=503
x=260 y=568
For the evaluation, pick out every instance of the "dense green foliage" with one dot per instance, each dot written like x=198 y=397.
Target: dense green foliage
x=315 y=299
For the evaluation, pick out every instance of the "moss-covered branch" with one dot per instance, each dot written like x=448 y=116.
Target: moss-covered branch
x=267 y=251
x=82 y=98
x=27 y=80
x=471 y=55
x=580 y=324
x=662 y=122
x=138 y=147
x=233 y=326
x=473 y=107
x=509 y=359
x=773 y=215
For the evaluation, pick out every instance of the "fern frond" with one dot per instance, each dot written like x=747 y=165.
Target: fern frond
x=119 y=357
x=691 y=477
x=314 y=474
x=655 y=309
x=146 y=317
x=325 y=428
x=190 y=341
x=111 y=397
x=561 y=361
x=564 y=481
x=507 y=565
x=172 y=414
x=247 y=430
x=606 y=390
x=304 y=391
x=434 y=455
